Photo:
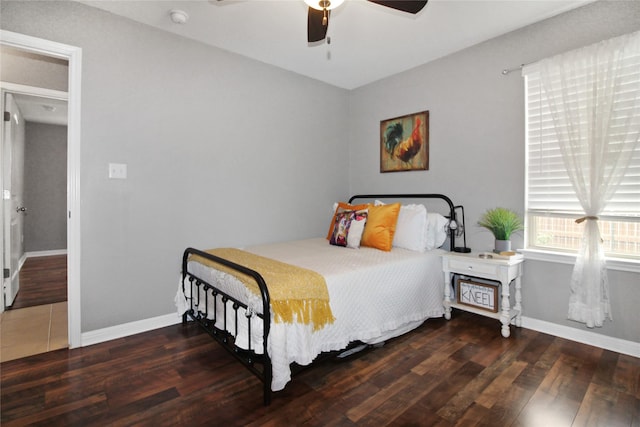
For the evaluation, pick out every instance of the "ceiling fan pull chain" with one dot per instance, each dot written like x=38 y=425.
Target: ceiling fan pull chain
x=324 y=18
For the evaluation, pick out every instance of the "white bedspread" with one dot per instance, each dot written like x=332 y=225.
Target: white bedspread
x=374 y=296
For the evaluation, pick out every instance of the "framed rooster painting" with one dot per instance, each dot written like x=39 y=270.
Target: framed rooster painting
x=404 y=143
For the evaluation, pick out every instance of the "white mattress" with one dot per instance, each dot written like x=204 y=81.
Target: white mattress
x=374 y=296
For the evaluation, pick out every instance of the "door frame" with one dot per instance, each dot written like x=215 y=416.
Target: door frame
x=74 y=57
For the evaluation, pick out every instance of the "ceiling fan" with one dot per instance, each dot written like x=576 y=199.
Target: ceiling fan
x=319 y=11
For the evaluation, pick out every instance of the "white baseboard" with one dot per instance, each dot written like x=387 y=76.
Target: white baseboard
x=26 y=255
x=46 y=253
x=591 y=338
x=630 y=348
x=126 y=329
x=21 y=262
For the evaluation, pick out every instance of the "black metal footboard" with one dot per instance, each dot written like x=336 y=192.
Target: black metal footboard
x=199 y=312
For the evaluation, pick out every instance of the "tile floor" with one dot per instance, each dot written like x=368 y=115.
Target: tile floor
x=33 y=330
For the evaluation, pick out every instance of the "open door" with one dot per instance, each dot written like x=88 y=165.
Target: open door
x=13 y=180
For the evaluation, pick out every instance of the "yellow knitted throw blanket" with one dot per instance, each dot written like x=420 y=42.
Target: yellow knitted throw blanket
x=296 y=293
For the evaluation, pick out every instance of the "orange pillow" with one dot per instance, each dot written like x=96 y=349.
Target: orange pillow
x=381 y=226
x=342 y=206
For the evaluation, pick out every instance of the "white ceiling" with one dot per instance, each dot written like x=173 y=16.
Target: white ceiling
x=368 y=41
x=42 y=110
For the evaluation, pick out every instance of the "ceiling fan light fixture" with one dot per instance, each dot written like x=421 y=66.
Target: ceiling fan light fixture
x=323 y=4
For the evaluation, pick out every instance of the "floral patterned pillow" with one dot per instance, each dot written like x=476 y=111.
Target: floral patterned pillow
x=348 y=228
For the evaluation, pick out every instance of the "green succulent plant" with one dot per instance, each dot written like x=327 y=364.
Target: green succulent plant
x=501 y=222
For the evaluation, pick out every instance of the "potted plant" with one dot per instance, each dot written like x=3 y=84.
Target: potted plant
x=502 y=223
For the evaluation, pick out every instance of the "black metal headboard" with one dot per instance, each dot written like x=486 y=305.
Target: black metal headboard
x=452 y=235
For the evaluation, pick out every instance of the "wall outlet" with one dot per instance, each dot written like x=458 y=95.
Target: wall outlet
x=117 y=171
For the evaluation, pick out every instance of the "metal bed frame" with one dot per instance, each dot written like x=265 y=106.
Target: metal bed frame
x=258 y=364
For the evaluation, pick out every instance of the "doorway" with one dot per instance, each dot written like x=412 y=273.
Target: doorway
x=35 y=174
x=35 y=171
x=73 y=55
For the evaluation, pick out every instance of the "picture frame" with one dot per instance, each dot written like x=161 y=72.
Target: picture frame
x=478 y=295
x=404 y=143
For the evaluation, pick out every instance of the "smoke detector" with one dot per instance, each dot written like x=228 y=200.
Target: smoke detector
x=178 y=16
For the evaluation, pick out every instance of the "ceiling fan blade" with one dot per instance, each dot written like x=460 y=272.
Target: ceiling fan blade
x=315 y=30
x=410 y=6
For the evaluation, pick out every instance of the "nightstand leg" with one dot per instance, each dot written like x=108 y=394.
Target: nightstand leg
x=518 y=306
x=505 y=316
x=447 y=295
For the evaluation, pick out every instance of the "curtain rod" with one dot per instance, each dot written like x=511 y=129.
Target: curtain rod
x=511 y=70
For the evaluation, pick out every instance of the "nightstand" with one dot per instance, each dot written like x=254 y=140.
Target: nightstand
x=501 y=272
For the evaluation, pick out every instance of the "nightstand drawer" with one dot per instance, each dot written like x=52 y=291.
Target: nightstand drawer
x=471 y=267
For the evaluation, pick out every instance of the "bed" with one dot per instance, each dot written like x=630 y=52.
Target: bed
x=364 y=295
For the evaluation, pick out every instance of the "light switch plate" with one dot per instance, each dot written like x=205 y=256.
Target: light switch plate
x=117 y=171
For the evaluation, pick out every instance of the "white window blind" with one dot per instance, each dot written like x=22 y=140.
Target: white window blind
x=549 y=189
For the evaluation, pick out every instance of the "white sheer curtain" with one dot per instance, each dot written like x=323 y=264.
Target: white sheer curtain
x=595 y=107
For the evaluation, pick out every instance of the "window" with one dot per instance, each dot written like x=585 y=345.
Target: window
x=551 y=203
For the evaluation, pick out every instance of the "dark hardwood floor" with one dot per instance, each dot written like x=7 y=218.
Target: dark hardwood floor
x=445 y=373
x=43 y=280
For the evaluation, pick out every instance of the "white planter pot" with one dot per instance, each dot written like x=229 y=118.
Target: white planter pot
x=502 y=245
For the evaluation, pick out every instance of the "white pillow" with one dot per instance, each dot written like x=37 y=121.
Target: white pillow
x=436 y=233
x=410 y=228
x=355 y=233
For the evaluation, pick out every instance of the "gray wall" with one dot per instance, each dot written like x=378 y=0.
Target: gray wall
x=45 y=187
x=477 y=142
x=220 y=151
